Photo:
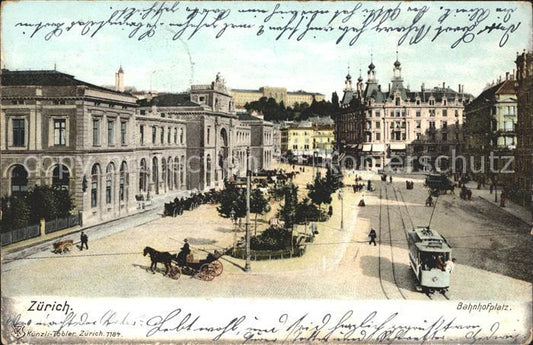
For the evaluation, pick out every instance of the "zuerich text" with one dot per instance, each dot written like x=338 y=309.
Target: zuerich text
x=55 y=306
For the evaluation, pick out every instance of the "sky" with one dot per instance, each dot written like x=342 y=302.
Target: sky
x=251 y=57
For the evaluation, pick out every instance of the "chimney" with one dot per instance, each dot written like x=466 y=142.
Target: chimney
x=443 y=86
x=506 y=75
x=422 y=87
x=459 y=88
x=389 y=87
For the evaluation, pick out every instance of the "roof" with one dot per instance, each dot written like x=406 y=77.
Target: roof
x=168 y=100
x=248 y=117
x=429 y=240
x=46 y=78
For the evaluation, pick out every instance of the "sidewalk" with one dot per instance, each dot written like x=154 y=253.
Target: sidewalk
x=28 y=247
x=512 y=208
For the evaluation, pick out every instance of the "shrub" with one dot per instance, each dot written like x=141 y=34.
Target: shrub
x=273 y=238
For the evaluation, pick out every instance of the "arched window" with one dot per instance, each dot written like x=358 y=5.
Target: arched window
x=169 y=173
x=208 y=170
x=182 y=171
x=181 y=136
x=123 y=183
x=60 y=177
x=95 y=172
x=142 y=176
x=109 y=172
x=155 y=174
x=176 y=167
x=19 y=180
x=164 y=170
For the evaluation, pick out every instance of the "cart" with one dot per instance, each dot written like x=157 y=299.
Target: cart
x=206 y=269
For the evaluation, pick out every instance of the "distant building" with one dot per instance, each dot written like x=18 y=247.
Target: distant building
x=305 y=140
x=280 y=94
x=401 y=123
x=524 y=148
x=490 y=130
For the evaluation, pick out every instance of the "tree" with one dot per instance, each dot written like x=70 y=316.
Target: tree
x=231 y=199
x=258 y=204
x=287 y=212
x=42 y=203
x=16 y=215
x=335 y=99
x=306 y=211
x=319 y=191
x=64 y=201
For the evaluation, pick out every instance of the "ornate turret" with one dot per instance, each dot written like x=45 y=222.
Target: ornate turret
x=348 y=81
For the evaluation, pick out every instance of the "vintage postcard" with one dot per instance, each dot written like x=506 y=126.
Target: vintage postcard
x=286 y=172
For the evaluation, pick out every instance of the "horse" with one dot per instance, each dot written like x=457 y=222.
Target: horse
x=163 y=257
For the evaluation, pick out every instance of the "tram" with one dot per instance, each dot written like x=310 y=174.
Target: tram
x=428 y=253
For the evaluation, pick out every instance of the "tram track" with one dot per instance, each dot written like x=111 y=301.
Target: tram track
x=393 y=274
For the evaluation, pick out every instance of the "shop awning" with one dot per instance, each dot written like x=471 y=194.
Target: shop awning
x=397 y=146
x=378 y=147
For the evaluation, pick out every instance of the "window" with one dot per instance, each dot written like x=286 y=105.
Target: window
x=456 y=113
x=123 y=127
x=18 y=132
x=60 y=177
x=417 y=102
x=141 y=130
x=295 y=147
x=418 y=113
x=432 y=124
x=163 y=114
x=181 y=136
x=306 y=147
x=378 y=136
x=175 y=135
x=122 y=181
x=377 y=113
x=397 y=113
x=431 y=102
x=153 y=134
x=143 y=112
x=169 y=135
x=162 y=136
x=19 y=181
x=208 y=134
x=391 y=113
x=397 y=101
x=60 y=132
x=418 y=124
x=94 y=185
x=431 y=112
x=444 y=124
x=378 y=125
x=110 y=132
x=96 y=132
x=444 y=112
x=110 y=171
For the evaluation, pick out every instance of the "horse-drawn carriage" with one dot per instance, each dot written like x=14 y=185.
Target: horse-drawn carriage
x=206 y=269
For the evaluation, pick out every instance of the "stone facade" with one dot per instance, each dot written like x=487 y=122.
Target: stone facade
x=109 y=149
x=524 y=148
x=303 y=141
x=280 y=94
x=490 y=130
x=401 y=123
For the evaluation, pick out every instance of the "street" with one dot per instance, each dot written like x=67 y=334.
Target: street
x=492 y=250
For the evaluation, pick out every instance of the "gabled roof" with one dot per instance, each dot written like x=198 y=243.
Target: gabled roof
x=168 y=100
x=46 y=78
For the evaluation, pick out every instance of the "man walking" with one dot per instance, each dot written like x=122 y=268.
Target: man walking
x=372 y=236
x=84 y=241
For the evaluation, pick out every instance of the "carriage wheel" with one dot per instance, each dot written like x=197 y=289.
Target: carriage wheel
x=206 y=273
x=217 y=266
x=174 y=272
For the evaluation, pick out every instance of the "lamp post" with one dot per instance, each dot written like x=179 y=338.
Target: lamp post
x=341 y=198
x=247 y=266
x=232 y=216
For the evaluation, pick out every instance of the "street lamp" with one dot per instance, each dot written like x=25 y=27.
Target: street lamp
x=233 y=221
x=247 y=266
x=341 y=198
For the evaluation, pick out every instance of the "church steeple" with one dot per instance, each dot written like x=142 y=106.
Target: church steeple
x=371 y=83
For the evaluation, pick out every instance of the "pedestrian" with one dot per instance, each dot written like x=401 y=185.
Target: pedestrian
x=330 y=211
x=449 y=265
x=369 y=185
x=390 y=179
x=372 y=235
x=354 y=188
x=84 y=241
